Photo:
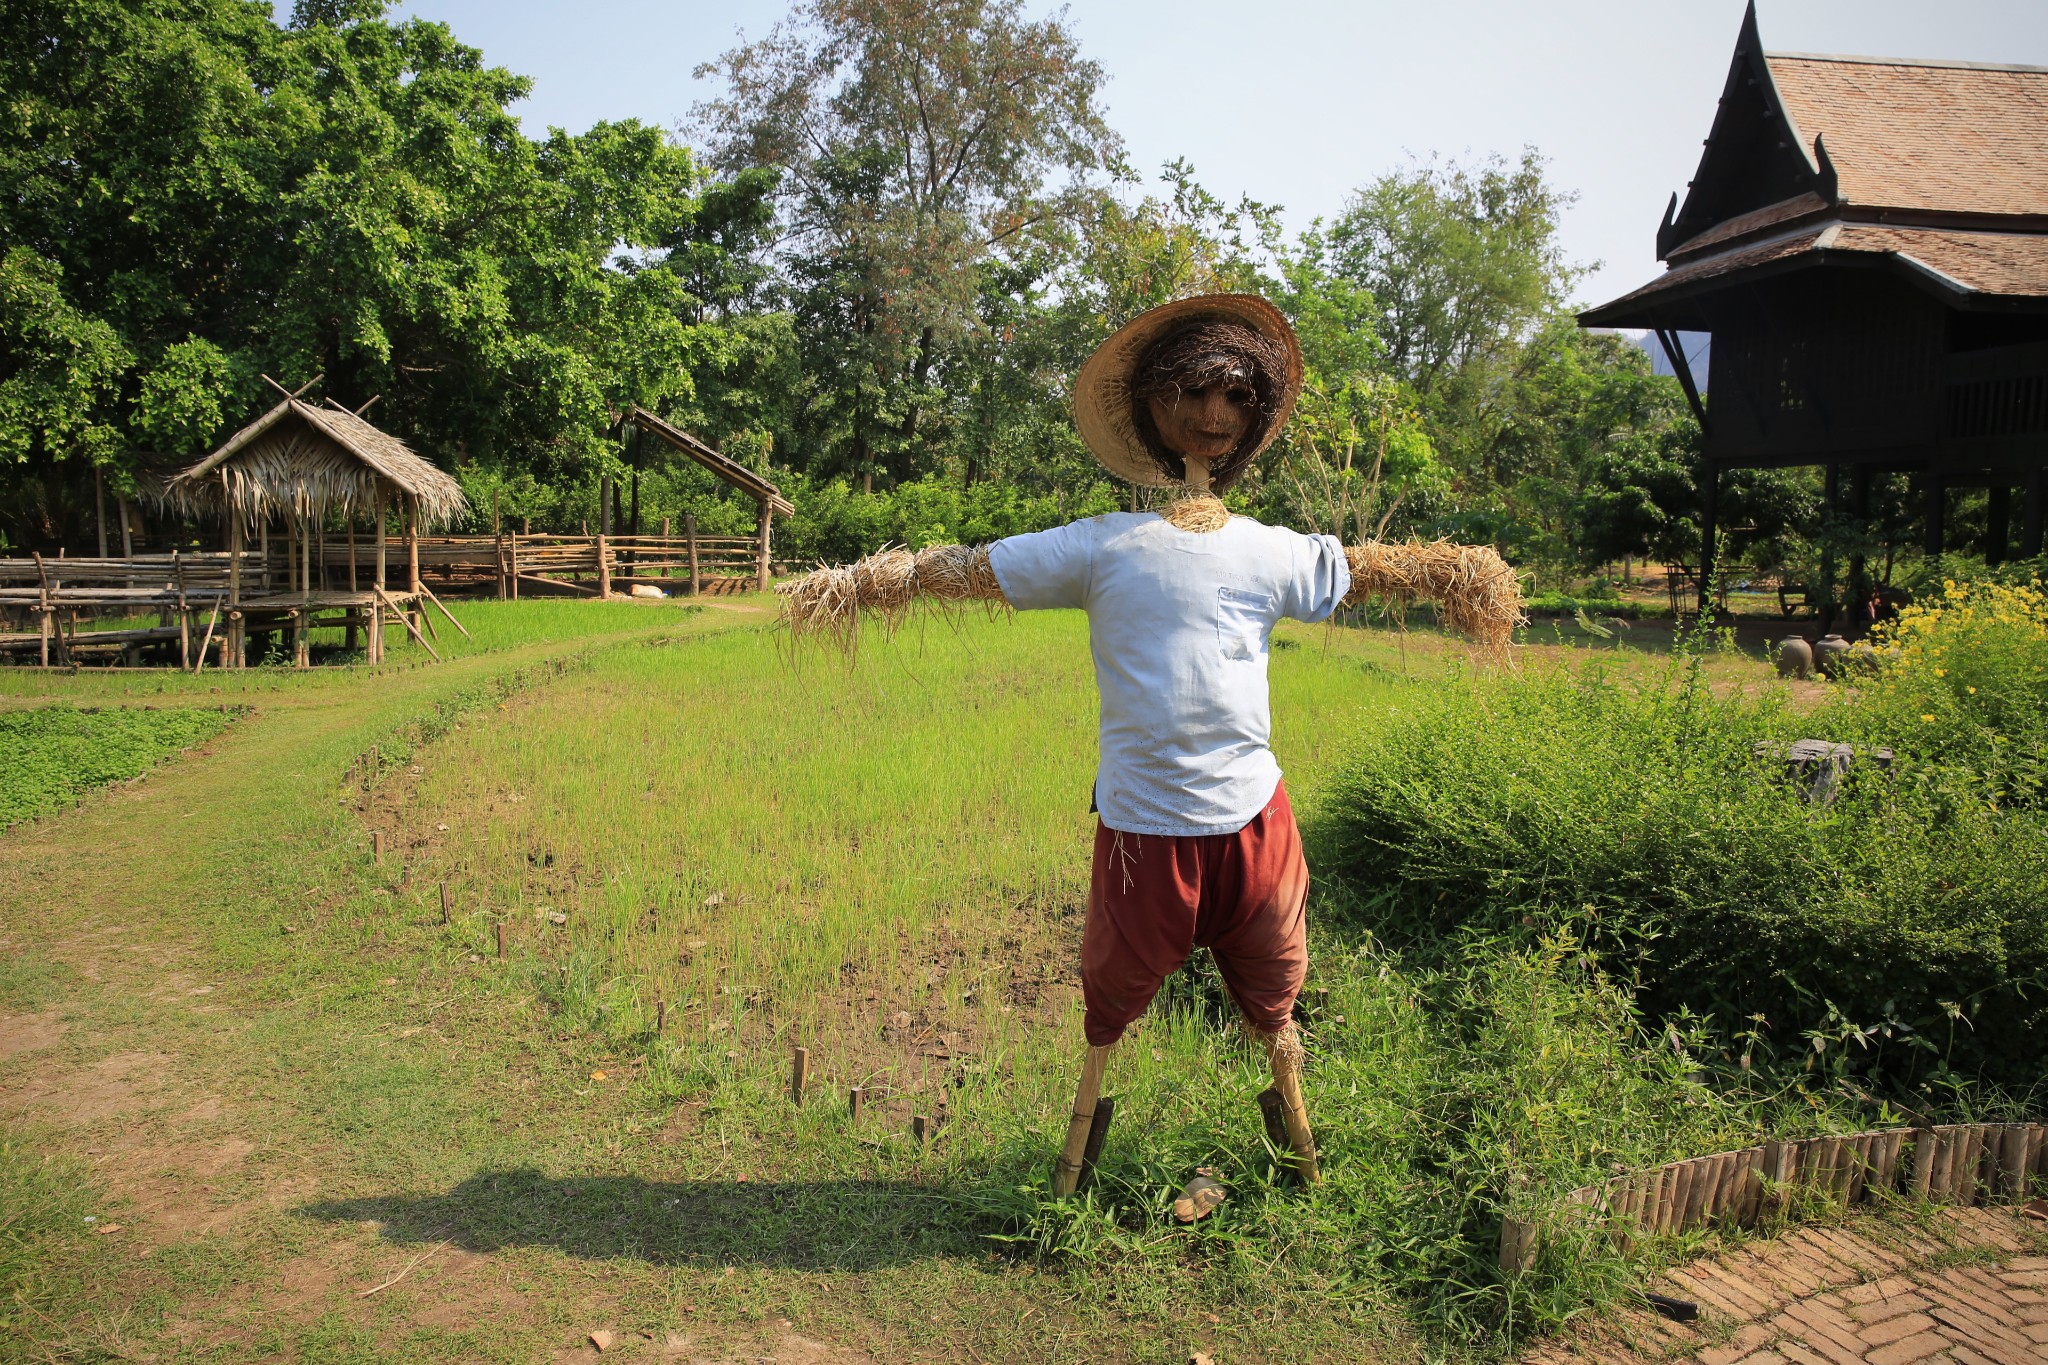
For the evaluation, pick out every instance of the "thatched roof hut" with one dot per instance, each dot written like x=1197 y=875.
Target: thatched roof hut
x=302 y=462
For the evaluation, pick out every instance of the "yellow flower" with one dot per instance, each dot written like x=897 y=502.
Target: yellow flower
x=1928 y=718
x=1973 y=691
x=599 y=1075
x=1941 y=673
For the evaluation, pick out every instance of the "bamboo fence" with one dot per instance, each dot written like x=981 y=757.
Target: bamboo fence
x=1963 y=1164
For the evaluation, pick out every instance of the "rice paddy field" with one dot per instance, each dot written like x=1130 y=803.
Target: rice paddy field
x=526 y=1076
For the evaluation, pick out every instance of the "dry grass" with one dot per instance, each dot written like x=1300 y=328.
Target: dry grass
x=830 y=602
x=1475 y=591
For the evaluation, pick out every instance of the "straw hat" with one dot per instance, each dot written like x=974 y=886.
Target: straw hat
x=1102 y=391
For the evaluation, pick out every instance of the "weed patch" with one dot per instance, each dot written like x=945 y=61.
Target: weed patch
x=50 y=756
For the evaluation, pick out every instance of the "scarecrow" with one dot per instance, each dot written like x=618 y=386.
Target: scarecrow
x=1195 y=842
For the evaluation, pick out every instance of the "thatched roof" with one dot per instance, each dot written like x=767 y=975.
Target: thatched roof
x=305 y=461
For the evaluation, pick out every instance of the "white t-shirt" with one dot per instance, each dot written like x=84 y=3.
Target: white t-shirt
x=1179 y=623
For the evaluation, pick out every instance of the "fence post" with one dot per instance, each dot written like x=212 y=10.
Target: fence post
x=696 y=575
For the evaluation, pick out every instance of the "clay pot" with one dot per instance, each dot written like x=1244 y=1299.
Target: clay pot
x=1831 y=653
x=1795 y=657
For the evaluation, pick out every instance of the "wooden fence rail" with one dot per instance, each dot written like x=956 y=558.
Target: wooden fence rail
x=1950 y=1163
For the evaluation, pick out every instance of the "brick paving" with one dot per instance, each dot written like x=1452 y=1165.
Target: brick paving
x=1967 y=1287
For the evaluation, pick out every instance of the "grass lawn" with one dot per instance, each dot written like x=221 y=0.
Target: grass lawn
x=329 y=1126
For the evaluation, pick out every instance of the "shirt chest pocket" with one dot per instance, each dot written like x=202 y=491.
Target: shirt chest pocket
x=1242 y=622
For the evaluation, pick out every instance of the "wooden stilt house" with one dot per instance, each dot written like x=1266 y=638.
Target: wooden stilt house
x=300 y=466
x=1866 y=239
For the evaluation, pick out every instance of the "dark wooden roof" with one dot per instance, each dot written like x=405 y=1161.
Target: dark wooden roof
x=1938 y=170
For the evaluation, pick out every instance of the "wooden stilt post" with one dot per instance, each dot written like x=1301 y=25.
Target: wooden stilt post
x=696 y=573
x=99 y=503
x=231 y=642
x=348 y=640
x=604 y=568
x=378 y=581
x=764 y=535
x=412 y=559
x=1066 y=1176
x=1284 y=1050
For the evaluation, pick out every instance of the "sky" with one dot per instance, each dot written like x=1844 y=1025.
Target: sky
x=1297 y=102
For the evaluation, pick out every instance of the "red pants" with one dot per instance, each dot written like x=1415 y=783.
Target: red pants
x=1153 y=898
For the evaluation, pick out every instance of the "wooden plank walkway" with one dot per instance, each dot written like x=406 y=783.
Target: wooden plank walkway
x=1968 y=1288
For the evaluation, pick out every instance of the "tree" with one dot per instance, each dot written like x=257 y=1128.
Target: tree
x=914 y=137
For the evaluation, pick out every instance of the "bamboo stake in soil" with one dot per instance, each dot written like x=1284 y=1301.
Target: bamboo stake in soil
x=799 y=1074
x=661 y=1016
x=855 y=1098
x=376 y=845
x=1067 y=1174
x=920 y=1129
x=444 y=902
x=501 y=940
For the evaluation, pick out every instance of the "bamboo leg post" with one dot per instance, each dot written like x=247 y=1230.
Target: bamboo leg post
x=604 y=569
x=1284 y=1053
x=1274 y=1120
x=764 y=547
x=696 y=572
x=1098 y=1133
x=1067 y=1174
x=799 y=1074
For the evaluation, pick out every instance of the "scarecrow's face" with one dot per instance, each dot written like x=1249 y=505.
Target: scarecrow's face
x=1207 y=423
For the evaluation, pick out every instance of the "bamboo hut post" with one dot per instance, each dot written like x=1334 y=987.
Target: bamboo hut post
x=696 y=572
x=231 y=641
x=765 y=534
x=99 y=504
x=184 y=612
x=412 y=543
x=378 y=579
x=604 y=567
x=348 y=630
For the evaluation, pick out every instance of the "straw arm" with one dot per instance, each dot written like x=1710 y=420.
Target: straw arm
x=1476 y=592
x=832 y=601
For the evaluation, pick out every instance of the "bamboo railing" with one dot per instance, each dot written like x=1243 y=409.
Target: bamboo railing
x=1963 y=1164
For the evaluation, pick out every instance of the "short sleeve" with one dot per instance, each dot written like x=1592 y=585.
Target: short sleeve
x=1046 y=569
x=1319 y=578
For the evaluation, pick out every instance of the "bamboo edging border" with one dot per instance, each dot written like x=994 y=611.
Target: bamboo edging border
x=1951 y=1163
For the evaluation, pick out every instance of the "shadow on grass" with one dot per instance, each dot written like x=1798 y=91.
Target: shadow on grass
x=797 y=1225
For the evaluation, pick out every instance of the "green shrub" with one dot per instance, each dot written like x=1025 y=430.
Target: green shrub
x=1900 y=932
x=1962 y=691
